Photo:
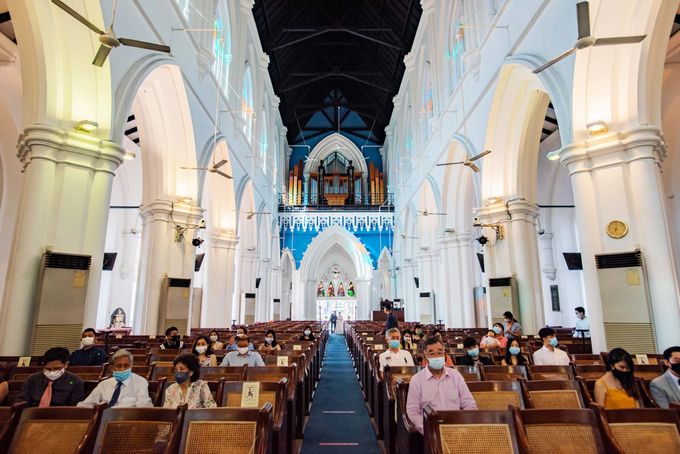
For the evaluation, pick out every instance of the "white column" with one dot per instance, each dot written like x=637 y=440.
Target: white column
x=275 y=283
x=163 y=256
x=517 y=254
x=218 y=290
x=549 y=273
x=65 y=205
x=428 y=270
x=263 y=310
x=409 y=291
x=363 y=292
x=457 y=283
x=617 y=177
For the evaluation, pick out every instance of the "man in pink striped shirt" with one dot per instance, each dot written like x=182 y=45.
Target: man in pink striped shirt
x=439 y=387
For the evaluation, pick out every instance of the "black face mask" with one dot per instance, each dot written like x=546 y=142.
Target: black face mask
x=174 y=339
x=676 y=368
x=623 y=377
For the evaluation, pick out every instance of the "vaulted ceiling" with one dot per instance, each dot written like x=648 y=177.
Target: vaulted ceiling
x=326 y=54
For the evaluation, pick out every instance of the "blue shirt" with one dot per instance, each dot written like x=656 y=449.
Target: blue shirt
x=252 y=359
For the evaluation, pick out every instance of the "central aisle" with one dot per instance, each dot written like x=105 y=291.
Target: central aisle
x=339 y=422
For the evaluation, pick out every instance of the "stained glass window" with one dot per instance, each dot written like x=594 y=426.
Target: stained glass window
x=247 y=103
x=427 y=110
x=222 y=47
x=456 y=43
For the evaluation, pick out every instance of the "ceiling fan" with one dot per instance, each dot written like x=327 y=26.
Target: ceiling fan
x=429 y=213
x=406 y=237
x=213 y=169
x=468 y=162
x=585 y=39
x=108 y=39
x=253 y=213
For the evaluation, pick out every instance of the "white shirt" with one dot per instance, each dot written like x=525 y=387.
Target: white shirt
x=582 y=325
x=545 y=357
x=392 y=359
x=133 y=393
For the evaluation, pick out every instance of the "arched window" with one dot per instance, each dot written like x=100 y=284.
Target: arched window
x=427 y=97
x=222 y=47
x=456 y=43
x=408 y=146
x=247 y=103
x=263 y=140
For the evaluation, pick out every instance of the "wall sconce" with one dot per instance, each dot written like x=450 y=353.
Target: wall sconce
x=129 y=156
x=553 y=155
x=597 y=127
x=492 y=200
x=86 y=126
x=497 y=228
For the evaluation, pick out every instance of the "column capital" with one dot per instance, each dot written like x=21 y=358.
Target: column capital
x=428 y=6
x=614 y=148
x=513 y=210
x=224 y=240
x=427 y=256
x=247 y=5
x=68 y=147
x=409 y=62
x=178 y=213
x=454 y=239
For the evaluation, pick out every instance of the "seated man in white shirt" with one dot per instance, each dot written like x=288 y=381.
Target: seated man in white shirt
x=243 y=355
x=123 y=389
x=549 y=354
x=582 y=323
x=394 y=356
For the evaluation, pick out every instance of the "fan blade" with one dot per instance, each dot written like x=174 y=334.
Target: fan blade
x=480 y=155
x=619 y=40
x=73 y=13
x=450 y=163
x=437 y=214
x=583 y=19
x=102 y=55
x=144 y=45
x=559 y=58
x=474 y=167
x=195 y=168
x=220 y=164
x=219 y=172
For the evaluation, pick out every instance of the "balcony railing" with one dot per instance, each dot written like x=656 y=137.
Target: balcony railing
x=344 y=202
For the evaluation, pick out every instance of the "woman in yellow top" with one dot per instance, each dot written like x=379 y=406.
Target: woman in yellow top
x=617 y=388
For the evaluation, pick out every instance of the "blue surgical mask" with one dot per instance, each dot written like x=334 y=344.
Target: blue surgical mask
x=394 y=343
x=181 y=377
x=496 y=330
x=122 y=375
x=436 y=363
x=473 y=352
x=514 y=350
x=553 y=342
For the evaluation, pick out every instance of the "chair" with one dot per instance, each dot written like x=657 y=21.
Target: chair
x=469 y=373
x=228 y=373
x=584 y=358
x=22 y=373
x=58 y=430
x=590 y=371
x=496 y=395
x=647 y=371
x=640 y=430
x=157 y=391
x=409 y=440
x=166 y=372
x=14 y=390
x=500 y=373
x=553 y=430
x=387 y=405
x=226 y=431
x=9 y=418
x=87 y=372
x=551 y=373
x=272 y=392
x=553 y=394
x=469 y=431
x=138 y=429
x=141 y=369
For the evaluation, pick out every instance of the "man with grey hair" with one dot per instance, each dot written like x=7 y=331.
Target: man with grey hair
x=123 y=389
x=394 y=356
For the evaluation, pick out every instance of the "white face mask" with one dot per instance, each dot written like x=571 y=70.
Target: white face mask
x=307 y=332
x=242 y=350
x=87 y=341
x=269 y=340
x=53 y=375
x=201 y=348
x=213 y=338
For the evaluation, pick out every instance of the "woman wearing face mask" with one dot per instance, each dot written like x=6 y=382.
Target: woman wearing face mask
x=204 y=352
x=490 y=340
x=188 y=389
x=419 y=334
x=512 y=328
x=499 y=332
x=269 y=344
x=307 y=334
x=617 y=388
x=407 y=342
x=514 y=356
x=214 y=342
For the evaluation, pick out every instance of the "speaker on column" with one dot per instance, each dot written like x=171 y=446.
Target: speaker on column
x=416 y=280
x=257 y=282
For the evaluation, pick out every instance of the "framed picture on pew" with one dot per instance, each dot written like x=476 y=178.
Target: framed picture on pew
x=250 y=396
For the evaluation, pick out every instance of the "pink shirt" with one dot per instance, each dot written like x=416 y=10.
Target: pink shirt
x=446 y=393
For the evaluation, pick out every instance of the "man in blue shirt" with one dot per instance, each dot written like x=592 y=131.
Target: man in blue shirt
x=391 y=318
x=243 y=355
x=89 y=354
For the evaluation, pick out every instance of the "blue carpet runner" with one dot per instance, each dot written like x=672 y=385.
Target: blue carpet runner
x=339 y=422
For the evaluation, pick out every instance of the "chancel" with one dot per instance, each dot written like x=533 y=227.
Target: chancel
x=378 y=226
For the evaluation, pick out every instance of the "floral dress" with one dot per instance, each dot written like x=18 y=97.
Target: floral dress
x=198 y=396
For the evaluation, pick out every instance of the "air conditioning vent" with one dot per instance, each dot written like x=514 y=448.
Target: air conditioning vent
x=500 y=282
x=622 y=260
x=177 y=282
x=67 y=261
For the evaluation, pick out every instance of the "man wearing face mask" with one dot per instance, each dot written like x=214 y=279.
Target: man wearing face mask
x=666 y=388
x=549 y=354
x=243 y=355
x=442 y=388
x=123 y=389
x=472 y=356
x=394 y=356
x=54 y=386
x=89 y=354
x=172 y=341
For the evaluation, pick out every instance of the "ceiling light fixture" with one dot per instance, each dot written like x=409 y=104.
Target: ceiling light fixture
x=86 y=126
x=597 y=127
x=553 y=156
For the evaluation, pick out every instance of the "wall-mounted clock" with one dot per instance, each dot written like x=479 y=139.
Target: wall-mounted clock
x=617 y=229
